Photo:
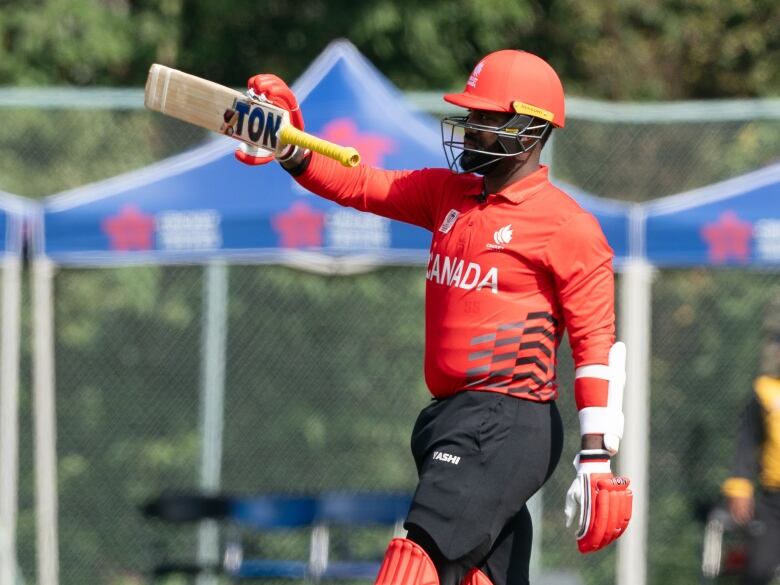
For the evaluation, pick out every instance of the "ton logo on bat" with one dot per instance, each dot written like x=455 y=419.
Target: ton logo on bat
x=261 y=125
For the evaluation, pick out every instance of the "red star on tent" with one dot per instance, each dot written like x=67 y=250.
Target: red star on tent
x=372 y=147
x=299 y=227
x=729 y=237
x=129 y=229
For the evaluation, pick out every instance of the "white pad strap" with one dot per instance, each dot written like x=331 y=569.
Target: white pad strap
x=593 y=371
x=596 y=420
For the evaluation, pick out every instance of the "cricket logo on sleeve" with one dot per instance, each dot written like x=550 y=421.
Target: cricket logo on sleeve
x=248 y=121
x=449 y=221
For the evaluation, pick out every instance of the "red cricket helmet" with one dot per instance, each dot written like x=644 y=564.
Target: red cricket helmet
x=517 y=82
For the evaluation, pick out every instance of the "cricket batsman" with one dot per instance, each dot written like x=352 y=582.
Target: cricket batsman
x=514 y=263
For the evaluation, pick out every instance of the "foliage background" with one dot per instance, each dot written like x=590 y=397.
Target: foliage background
x=630 y=50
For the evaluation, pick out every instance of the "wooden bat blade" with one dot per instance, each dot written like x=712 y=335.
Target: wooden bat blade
x=213 y=107
x=229 y=112
x=188 y=98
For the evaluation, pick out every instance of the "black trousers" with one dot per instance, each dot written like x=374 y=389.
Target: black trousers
x=763 y=542
x=480 y=456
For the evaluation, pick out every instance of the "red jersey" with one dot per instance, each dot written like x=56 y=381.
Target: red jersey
x=506 y=276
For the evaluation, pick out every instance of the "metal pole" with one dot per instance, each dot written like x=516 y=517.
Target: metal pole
x=634 y=450
x=9 y=416
x=212 y=399
x=536 y=502
x=45 y=422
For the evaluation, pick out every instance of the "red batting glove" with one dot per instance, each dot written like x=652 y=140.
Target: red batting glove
x=604 y=501
x=279 y=94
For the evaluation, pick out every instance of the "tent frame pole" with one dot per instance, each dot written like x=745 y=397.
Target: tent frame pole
x=635 y=325
x=9 y=415
x=45 y=423
x=212 y=400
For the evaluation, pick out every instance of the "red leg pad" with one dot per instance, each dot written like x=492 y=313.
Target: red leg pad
x=476 y=577
x=406 y=563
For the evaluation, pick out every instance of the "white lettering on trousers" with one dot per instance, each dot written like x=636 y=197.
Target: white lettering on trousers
x=455 y=272
x=446 y=457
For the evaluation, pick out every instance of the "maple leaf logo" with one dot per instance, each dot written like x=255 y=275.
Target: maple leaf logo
x=130 y=229
x=728 y=238
x=372 y=147
x=299 y=227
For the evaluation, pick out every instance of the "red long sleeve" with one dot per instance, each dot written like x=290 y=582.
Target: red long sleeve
x=408 y=196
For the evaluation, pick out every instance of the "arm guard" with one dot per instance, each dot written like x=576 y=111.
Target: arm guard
x=606 y=420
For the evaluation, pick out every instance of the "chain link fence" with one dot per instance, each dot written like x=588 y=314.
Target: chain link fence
x=324 y=373
x=640 y=161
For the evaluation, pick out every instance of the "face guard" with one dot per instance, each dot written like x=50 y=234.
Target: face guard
x=509 y=141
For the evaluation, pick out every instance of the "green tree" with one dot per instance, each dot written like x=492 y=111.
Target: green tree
x=670 y=49
x=85 y=42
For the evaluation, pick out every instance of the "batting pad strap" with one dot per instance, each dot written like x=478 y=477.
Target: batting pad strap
x=406 y=563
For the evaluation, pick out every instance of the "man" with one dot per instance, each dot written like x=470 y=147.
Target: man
x=758 y=457
x=513 y=263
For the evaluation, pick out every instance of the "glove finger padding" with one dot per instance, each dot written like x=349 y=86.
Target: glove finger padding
x=610 y=501
x=279 y=94
x=249 y=155
x=592 y=535
x=626 y=504
x=611 y=527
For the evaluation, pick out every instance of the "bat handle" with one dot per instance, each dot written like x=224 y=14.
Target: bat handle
x=346 y=155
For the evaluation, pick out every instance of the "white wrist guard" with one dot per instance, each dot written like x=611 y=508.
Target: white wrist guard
x=592 y=461
x=606 y=420
x=287 y=154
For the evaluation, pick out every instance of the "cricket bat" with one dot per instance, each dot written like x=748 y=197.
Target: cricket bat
x=245 y=117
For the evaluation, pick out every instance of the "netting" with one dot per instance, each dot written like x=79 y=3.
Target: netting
x=707 y=334
x=639 y=161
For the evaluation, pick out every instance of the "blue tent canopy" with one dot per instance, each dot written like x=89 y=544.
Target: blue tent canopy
x=13 y=211
x=204 y=203
x=732 y=223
